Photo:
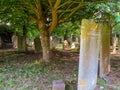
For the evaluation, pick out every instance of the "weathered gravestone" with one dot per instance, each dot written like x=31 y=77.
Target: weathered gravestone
x=104 y=50
x=15 y=41
x=89 y=52
x=53 y=42
x=65 y=45
x=37 y=45
x=58 y=85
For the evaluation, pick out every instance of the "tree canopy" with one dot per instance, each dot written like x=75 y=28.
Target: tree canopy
x=46 y=14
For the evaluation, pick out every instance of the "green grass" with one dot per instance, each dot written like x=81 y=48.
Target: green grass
x=101 y=82
x=32 y=75
x=35 y=75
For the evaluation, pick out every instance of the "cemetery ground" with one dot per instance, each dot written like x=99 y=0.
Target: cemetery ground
x=24 y=71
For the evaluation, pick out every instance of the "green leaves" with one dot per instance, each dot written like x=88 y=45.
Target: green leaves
x=69 y=27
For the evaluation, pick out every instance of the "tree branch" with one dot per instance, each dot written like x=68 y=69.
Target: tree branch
x=57 y=4
x=73 y=11
x=65 y=10
x=50 y=2
x=64 y=4
x=39 y=9
x=54 y=16
x=115 y=25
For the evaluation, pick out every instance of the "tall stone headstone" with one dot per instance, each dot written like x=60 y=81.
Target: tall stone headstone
x=89 y=52
x=104 y=50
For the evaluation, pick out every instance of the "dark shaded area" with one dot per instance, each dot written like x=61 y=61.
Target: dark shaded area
x=6 y=37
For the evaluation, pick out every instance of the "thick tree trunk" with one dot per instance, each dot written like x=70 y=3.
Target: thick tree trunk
x=89 y=52
x=37 y=45
x=104 y=51
x=44 y=37
x=45 y=41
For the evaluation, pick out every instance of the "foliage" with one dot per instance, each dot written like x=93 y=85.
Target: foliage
x=116 y=29
x=69 y=28
x=46 y=14
x=11 y=12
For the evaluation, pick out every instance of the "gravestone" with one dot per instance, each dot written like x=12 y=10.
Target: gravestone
x=89 y=52
x=15 y=41
x=73 y=45
x=58 y=85
x=53 y=42
x=65 y=45
x=104 y=50
x=37 y=45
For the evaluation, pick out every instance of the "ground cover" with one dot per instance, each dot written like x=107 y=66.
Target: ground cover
x=25 y=71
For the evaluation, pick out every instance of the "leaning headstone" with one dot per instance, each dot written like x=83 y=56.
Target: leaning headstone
x=58 y=85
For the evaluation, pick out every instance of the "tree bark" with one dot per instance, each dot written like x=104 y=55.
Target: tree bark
x=45 y=41
x=104 y=51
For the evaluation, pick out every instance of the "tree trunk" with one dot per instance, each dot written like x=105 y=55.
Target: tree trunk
x=37 y=45
x=89 y=52
x=104 y=51
x=45 y=41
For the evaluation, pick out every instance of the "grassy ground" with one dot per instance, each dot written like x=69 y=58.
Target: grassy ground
x=21 y=73
x=27 y=72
